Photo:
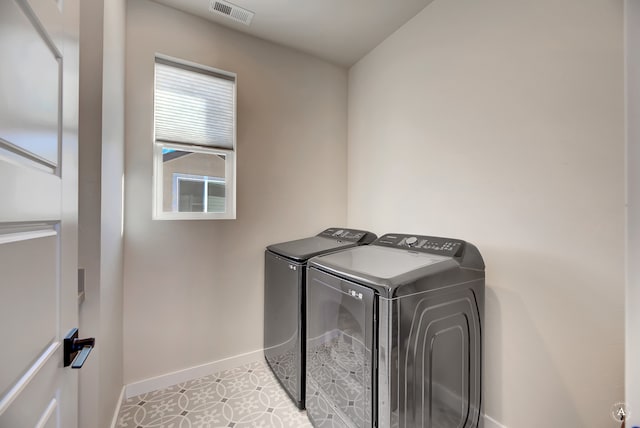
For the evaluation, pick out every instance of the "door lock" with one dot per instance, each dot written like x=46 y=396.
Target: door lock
x=77 y=350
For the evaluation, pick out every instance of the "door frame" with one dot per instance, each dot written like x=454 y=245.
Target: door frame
x=632 y=137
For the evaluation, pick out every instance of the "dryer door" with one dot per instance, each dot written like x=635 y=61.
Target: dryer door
x=340 y=340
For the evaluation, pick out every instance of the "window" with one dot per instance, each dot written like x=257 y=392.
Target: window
x=197 y=193
x=194 y=145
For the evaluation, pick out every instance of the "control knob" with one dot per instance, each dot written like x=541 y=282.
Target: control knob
x=410 y=241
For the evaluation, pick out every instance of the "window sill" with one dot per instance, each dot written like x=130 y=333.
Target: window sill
x=194 y=216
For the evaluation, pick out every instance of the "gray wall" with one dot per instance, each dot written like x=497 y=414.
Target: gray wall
x=101 y=168
x=502 y=123
x=194 y=289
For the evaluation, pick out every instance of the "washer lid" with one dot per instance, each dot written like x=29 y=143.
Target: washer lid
x=302 y=250
x=381 y=266
x=327 y=241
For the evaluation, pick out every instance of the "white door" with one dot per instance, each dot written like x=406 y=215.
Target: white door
x=38 y=210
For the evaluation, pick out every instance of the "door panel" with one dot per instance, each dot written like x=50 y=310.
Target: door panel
x=38 y=210
x=48 y=418
x=30 y=84
x=35 y=289
x=339 y=351
x=27 y=192
x=49 y=17
x=35 y=392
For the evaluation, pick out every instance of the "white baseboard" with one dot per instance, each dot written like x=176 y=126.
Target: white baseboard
x=489 y=422
x=169 y=379
x=116 y=412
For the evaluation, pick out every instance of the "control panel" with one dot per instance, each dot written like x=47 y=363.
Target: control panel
x=424 y=244
x=345 y=234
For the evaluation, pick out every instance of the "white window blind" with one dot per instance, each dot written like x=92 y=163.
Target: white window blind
x=194 y=106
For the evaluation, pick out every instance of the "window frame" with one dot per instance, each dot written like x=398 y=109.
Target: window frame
x=229 y=155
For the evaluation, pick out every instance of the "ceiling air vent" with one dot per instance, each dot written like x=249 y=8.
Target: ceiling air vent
x=232 y=11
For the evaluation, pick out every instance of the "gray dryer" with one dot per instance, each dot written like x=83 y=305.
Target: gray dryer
x=394 y=335
x=284 y=311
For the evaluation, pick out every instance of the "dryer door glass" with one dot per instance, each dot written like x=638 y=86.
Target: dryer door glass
x=339 y=351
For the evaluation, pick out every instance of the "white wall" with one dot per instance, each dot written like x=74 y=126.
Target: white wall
x=632 y=53
x=111 y=234
x=89 y=142
x=501 y=123
x=100 y=207
x=194 y=289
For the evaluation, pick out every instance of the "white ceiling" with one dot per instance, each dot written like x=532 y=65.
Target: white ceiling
x=340 y=31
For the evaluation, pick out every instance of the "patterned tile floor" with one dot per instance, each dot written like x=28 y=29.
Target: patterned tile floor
x=247 y=396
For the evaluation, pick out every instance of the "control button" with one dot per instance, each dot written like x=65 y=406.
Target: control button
x=411 y=241
x=339 y=232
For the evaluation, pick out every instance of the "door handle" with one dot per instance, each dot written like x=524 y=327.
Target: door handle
x=77 y=350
